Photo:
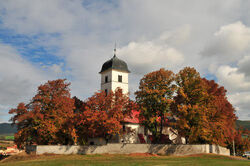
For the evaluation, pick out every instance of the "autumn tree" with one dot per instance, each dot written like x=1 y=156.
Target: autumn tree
x=221 y=114
x=48 y=118
x=79 y=105
x=241 y=140
x=24 y=122
x=190 y=107
x=103 y=114
x=154 y=97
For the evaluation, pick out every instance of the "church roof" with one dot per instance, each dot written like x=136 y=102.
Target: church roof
x=134 y=118
x=115 y=63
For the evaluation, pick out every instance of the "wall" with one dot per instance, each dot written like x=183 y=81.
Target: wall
x=108 y=84
x=113 y=83
x=132 y=133
x=123 y=85
x=163 y=149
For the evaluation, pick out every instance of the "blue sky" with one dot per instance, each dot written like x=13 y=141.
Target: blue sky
x=45 y=40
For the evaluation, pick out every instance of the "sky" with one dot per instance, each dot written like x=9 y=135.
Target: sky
x=47 y=40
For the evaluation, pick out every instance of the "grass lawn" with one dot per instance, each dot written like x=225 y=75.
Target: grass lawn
x=9 y=137
x=120 y=160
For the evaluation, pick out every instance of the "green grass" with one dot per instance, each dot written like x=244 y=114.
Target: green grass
x=121 y=160
x=9 y=137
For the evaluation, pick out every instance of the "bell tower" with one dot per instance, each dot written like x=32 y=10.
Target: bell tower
x=114 y=74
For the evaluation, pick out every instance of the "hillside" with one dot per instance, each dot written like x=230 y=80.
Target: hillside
x=244 y=124
x=6 y=128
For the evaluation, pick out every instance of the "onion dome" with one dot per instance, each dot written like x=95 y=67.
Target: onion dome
x=116 y=64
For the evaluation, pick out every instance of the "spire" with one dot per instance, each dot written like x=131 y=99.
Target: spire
x=115 y=50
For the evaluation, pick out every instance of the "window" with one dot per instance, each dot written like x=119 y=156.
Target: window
x=123 y=128
x=106 y=79
x=106 y=92
x=119 y=78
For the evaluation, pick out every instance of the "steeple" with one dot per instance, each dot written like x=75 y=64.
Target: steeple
x=115 y=63
x=114 y=74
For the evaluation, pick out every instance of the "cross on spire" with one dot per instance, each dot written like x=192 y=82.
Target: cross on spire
x=115 y=50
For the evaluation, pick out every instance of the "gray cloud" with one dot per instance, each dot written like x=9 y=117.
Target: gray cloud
x=244 y=65
x=229 y=42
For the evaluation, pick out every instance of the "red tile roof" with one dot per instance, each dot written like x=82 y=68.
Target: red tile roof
x=134 y=118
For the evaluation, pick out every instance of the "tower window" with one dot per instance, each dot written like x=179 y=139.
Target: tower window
x=119 y=78
x=106 y=79
x=106 y=92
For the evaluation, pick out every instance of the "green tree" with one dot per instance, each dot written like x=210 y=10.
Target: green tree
x=190 y=107
x=154 y=97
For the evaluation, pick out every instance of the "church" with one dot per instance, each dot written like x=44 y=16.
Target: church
x=115 y=73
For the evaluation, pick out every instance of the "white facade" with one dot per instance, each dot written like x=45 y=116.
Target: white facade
x=131 y=133
x=110 y=81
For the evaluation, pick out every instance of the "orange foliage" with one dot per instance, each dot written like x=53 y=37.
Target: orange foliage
x=103 y=113
x=48 y=118
x=203 y=112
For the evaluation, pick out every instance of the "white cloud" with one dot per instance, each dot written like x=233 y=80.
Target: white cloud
x=16 y=75
x=19 y=79
x=241 y=101
x=232 y=79
x=229 y=42
x=227 y=54
x=146 y=56
x=238 y=86
x=36 y=16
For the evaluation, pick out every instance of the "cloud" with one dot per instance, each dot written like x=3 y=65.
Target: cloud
x=228 y=57
x=19 y=79
x=244 y=65
x=40 y=16
x=146 y=56
x=241 y=102
x=229 y=42
x=238 y=86
x=232 y=79
x=17 y=76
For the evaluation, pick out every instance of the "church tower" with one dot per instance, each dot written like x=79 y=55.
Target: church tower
x=114 y=74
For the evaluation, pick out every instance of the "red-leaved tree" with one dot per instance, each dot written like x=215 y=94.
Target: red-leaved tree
x=48 y=118
x=221 y=114
x=102 y=115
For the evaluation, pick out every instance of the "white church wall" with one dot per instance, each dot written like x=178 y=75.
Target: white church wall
x=106 y=86
x=115 y=74
x=113 y=83
x=132 y=133
x=123 y=85
x=106 y=73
